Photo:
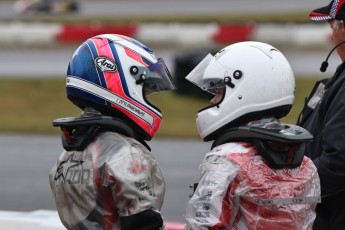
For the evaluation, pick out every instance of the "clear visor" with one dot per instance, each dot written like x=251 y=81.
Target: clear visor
x=209 y=84
x=158 y=78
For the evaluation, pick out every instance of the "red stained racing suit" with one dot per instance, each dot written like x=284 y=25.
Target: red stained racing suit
x=113 y=178
x=239 y=191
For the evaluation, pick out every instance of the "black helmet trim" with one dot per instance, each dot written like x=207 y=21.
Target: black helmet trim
x=91 y=88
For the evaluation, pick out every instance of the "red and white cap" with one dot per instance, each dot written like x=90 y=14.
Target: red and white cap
x=334 y=11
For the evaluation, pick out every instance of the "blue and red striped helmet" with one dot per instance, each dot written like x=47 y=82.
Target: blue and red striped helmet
x=114 y=74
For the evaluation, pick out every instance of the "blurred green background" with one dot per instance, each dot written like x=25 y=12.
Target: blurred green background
x=30 y=106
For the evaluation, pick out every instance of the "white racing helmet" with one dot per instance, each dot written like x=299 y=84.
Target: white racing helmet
x=258 y=82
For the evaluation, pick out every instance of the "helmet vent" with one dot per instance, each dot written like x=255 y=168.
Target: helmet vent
x=134 y=70
x=237 y=74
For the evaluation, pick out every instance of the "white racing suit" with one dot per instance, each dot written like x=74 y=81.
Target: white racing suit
x=114 y=183
x=239 y=191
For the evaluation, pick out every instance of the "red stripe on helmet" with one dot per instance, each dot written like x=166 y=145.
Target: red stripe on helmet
x=112 y=79
x=135 y=56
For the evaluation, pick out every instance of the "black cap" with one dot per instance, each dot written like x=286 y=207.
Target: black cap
x=334 y=11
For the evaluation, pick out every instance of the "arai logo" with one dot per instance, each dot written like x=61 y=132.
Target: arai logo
x=105 y=64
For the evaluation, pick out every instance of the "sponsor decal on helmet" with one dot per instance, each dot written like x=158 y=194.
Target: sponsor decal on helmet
x=110 y=97
x=129 y=106
x=105 y=64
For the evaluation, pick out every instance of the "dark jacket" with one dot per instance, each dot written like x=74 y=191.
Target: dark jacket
x=324 y=117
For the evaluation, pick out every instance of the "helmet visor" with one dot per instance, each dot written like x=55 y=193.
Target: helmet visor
x=158 y=78
x=197 y=77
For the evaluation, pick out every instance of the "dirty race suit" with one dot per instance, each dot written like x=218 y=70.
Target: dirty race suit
x=112 y=184
x=238 y=190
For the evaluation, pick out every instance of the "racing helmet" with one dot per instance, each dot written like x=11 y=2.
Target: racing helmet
x=114 y=74
x=258 y=82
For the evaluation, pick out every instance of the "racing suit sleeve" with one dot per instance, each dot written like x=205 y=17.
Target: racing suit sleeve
x=330 y=163
x=137 y=188
x=211 y=206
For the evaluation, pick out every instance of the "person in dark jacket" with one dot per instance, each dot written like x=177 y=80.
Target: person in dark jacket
x=324 y=116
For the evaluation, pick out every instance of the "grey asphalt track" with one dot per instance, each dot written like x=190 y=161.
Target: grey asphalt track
x=27 y=159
